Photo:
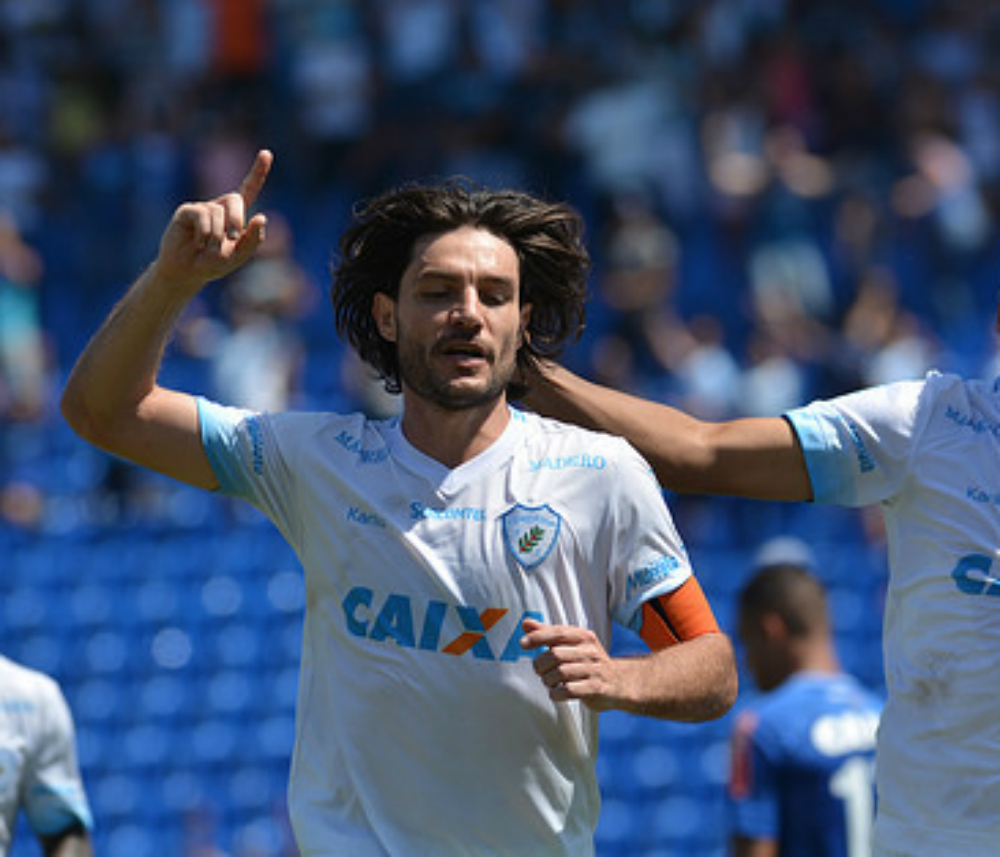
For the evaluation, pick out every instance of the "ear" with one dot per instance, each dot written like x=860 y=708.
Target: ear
x=384 y=313
x=523 y=335
x=773 y=627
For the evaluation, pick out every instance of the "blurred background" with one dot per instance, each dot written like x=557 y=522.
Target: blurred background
x=785 y=199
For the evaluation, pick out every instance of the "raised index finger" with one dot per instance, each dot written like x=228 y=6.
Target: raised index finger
x=254 y=180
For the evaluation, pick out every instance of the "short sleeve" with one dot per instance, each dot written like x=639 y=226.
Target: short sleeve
x=54 y=796
x=858 y=447
x=652 y=559
x=247 y=457
x=225 y=436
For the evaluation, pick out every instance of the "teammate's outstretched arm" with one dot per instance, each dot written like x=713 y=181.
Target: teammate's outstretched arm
x=755 y=457
x=111 y=398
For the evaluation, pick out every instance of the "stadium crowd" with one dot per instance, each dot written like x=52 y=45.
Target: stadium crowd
x=786 y=199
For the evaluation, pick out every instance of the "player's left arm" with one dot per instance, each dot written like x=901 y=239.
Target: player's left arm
x=690 y=674
x=74 y=842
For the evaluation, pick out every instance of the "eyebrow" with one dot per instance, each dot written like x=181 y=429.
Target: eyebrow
x=452 y=277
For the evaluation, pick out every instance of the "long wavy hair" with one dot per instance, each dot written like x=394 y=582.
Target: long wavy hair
x=378 y=246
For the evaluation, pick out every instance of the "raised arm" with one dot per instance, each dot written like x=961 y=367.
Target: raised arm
x=112 y=398
x=756 y=457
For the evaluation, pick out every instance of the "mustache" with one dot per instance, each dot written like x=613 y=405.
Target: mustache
x=462 y=342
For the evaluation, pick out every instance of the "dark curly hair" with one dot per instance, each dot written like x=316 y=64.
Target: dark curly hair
x=378 y=246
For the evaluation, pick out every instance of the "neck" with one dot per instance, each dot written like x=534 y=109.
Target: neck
x=453 y=436
x=816 y=656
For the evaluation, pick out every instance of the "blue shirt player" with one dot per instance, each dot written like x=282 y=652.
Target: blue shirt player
x=802 y=782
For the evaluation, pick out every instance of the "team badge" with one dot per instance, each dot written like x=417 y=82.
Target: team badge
x=530 y=533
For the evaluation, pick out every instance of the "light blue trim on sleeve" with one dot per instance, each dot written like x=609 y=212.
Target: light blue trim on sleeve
x=221 y=431
x=679 y=574
x=51 y=809
x=822 y=453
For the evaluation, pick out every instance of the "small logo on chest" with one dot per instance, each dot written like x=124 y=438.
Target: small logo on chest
x=530 y=533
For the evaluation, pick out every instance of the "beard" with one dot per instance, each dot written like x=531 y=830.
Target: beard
x=453 y=390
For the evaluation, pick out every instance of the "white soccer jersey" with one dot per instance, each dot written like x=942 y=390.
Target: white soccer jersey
x=422 y=728
x=38 y=765
x=929 y=452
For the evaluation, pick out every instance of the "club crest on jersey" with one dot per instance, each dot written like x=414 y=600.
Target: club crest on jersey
x=530 y=533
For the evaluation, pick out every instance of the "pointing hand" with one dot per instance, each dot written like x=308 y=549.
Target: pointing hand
x=205 y=241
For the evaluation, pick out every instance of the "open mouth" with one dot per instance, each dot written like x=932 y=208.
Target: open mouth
x=462 y=351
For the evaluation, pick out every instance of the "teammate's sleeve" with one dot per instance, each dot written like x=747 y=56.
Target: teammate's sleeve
x=54 y=796
x=858 y=447
x=682 y=614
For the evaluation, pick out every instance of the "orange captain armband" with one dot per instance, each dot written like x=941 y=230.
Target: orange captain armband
x=677 y=616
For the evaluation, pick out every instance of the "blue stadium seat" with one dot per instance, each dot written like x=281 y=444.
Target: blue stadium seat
x=615 y=828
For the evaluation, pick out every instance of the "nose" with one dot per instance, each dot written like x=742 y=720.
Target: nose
x=466 y=311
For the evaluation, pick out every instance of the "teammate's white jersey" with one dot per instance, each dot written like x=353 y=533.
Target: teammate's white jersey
x=422 y=728
x=929 y=452
x=38 y=764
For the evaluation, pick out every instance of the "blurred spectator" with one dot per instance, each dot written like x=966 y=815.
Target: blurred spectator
x=708 y=376
x=22 y=504
x=773 y=379
x=642 y=336
x=881 y=341
x=333 y=86
x=257 y=361
x=24 y=173
x=25 y=372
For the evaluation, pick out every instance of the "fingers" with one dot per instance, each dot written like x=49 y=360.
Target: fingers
x=208 y=240
x=538 y=635
x=211 y=225
x=254 y=180
x=251 y=238
x=236 y=205
x=572 y=663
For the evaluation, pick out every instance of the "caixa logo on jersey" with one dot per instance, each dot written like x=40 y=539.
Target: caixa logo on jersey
x=435 y=626
x=974 y=575
x=530 y=533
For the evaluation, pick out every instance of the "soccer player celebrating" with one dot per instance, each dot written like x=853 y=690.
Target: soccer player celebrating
x=463 y=562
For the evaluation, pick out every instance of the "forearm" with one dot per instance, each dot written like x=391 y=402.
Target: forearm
x=693 y=681
x=758 y=458
x=117 y=370
x=668 y=438
x=112 y=398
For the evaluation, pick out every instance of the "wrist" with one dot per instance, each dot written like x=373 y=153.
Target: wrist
x=170 y=288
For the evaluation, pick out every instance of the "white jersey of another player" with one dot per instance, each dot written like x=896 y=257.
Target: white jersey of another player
x=422 y=728
x=38 y=765
x=929 y=452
